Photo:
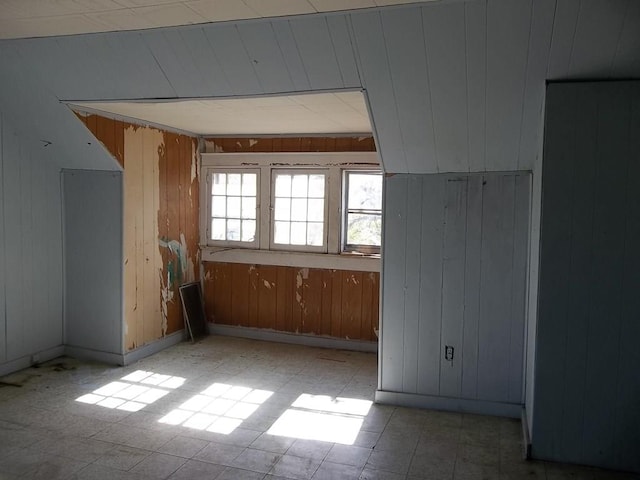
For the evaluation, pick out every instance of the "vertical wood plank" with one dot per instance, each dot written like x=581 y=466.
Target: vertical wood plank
x=3 y=251
x=313 y=40
x=497 y=283
x=604 y=324
x=444 y=31
x=476 y=48
x=472 y=291
x=327 y=282
x=555 y=253
x=253 y=296
x=336 y=303
x=508 y=25
x=366 y=328
x=582 y=186
x=627 y=416
x=519 y=262
x=267 y=283
x=564 y=29
x=263 y=50
x=174 y=264
x=313 y=302
x=376 y=78
x=411 y=83
x=429 y=358
x=351 y=305
x=453 y=283
x=240 y=294
x=411 y=283
x=232 y=56
x=291 y=54
x=343 y=49
x=393 y=258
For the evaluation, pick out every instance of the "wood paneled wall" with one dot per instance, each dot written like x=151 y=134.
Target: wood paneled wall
x=290 y=144
x=455 y=264
x=337 y=303
x=587 y=385
x=161 y=228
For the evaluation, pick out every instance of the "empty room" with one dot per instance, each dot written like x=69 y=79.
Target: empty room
x=319 y=239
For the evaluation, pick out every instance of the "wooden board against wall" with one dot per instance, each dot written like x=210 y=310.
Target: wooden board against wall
x=161 y=229
x=337 y=303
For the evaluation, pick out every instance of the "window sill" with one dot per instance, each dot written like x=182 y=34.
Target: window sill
x=345 y=261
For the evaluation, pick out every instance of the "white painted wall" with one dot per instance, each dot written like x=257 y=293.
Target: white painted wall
x=455 y=254
x=587 y=385
x=30 y=253
x=93 y=252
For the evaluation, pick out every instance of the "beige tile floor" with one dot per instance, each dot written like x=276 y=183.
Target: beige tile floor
x=236 y=409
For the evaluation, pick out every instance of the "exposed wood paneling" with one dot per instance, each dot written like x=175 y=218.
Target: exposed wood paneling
x=290 y=144
x=468 y=235
x=586 y=390
x=337 y=303
x=161 y=229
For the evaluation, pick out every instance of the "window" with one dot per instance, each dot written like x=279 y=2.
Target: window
x=362 y=227
x=270 y=203
x=233 y=207
x=299 y=206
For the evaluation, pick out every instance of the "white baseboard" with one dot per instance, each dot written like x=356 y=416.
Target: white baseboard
x=32 y=359
x=154 y=347
x=463 y=405
x=295 y=338
x=129 y=357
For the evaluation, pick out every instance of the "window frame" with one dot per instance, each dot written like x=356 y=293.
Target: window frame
x=333 y=162
x=357 y=248
x=272 y=199
x=209 y=171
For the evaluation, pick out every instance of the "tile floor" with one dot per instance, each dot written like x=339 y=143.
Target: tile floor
x=228 y=408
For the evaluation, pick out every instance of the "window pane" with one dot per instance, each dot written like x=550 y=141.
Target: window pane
x=315 y=234
x=233 y=183
x=233 y=207
x=218 y=206
x=299 y=186
x=283 y=185
x=365 y=191
x=233 y=229
x=364 y=229
x=316 y=186
x=218 y=229
x=316 y=210
x=281 y=232
x=249 y=184
x=299 y=209
x=298 y=233
x=218 y=186
x=248 y=207
x=248 y=230
x=283 y=209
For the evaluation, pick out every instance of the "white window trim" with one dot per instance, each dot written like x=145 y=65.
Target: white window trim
x=325 y=224
x=206 y=225
x=335 y=163
x=353 y=248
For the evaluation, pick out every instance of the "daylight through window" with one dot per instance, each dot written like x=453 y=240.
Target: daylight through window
x=234 y=206
x=362 y=229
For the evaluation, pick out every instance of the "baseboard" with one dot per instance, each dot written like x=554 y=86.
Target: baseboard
x=32 y=359
x=526 y=436
x=154 y=347
x=294 y=338
x=129 y=357
x=449 y=404
x=94 y=355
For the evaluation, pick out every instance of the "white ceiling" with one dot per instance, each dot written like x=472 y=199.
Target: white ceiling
x=42 y=18
x=321 y=113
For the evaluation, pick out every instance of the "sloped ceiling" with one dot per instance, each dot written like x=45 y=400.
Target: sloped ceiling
x=43 y=18
x=451 y=86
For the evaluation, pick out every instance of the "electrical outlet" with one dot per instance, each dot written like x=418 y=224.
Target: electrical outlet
x=448 y=352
